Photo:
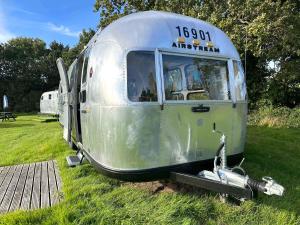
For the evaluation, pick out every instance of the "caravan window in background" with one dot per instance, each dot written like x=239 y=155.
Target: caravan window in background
x=141 y=81
x=202 y=79
x=85 y=65
x=239 y=81
x=49 y=96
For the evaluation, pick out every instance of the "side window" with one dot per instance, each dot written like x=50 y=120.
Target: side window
x=42 y=97
x=85 y=65
x=199 y=79
x=49 y=96
x=141 y=80
x=239 y=81
x=78 y=76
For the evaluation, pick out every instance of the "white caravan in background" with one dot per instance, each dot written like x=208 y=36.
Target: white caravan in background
x=49 y=103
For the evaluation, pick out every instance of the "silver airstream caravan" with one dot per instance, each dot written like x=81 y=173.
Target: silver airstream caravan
x=145 y=92
x=49 y=103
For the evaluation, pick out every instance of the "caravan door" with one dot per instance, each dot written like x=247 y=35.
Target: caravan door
x=84 y=107
x=64 y=82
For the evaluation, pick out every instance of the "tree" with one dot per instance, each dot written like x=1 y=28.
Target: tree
x=84 y=38
x=28 y=68
x=51 y=75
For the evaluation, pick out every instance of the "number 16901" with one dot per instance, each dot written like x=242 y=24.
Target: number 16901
x=193 y=33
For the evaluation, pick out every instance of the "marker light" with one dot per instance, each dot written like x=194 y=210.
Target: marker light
x=196 y=42
x=209 y=44
x=181 y=40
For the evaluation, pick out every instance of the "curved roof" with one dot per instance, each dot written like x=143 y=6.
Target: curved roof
x=155 y=29
x=50 y=92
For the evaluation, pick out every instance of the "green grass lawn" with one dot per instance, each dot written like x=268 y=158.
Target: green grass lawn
x=90 y=198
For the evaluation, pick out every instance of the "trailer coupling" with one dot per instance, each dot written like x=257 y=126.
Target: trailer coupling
x=229 y=181
x=230 y=177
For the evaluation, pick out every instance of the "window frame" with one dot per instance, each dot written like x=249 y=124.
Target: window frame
x=239 y=65
x=152 y=50
x=86 y=58
x=221 y=58
x=158 y=53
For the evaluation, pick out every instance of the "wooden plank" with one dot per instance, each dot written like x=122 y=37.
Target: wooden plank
x=36 y=191
x=29 y=186
x=5 y=204
x=26 y=198
x=16 y=201
x=6 y=182
x=4 y=173
x=44 y=186
x=54 y=195
x=57 y=176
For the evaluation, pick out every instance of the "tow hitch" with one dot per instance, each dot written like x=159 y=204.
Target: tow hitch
x=229 y=181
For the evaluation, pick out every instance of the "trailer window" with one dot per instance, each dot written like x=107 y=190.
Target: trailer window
x=201 y=78
x=141 y=81
x=49 y=96
x=239 y=81
x=85 y=65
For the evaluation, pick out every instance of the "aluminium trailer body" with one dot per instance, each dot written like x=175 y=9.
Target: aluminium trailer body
x=145 y=92
x=49 y=103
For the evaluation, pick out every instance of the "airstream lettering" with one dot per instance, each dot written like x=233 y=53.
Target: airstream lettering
x=142 y=104
x=195 y=47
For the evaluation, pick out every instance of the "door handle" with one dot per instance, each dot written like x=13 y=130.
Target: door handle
x=85 y=110
x=200 y=108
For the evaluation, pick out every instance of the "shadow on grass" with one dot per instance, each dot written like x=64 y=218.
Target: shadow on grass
x=5 y=125
x=49 y=120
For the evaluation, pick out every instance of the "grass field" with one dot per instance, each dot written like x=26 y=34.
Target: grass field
x=90 y=198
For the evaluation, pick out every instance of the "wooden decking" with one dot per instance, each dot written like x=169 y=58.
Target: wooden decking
x=29 y=186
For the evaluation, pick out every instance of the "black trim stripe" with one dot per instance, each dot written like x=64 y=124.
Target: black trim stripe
x=160 y=172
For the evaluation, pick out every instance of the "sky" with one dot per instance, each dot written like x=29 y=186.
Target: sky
x=49 y=20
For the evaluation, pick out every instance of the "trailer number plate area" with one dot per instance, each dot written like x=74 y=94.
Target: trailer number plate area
x=201 y=40
x=194 y=33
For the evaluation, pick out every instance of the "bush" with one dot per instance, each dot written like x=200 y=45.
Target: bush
x=268 y=115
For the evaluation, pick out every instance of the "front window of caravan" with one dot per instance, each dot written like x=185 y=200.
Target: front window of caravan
x=239 y=81
x=191 y=78
x=141 y=81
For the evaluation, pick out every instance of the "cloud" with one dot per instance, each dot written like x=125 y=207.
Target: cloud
x=16 y=9
x=63 y=30
x=5 y=34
